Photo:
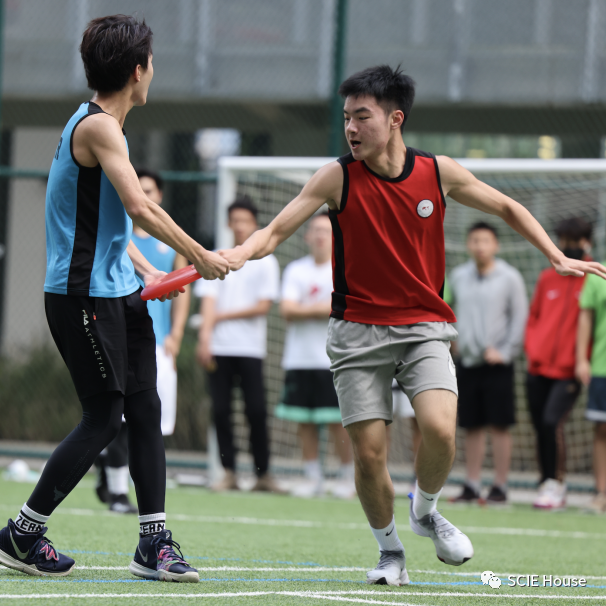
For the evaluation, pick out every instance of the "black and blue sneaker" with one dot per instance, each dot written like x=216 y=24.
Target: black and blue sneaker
x=32 y=553
x=156 y=560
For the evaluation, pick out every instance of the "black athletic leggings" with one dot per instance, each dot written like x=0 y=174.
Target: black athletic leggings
x=101 y=422
x=221 y=383
x=550 y=402
x=117 y=449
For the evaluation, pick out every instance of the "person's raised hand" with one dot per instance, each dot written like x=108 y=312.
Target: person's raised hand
x=573 y=267
x=212 y=266
x=154 y=276
x=234 y=256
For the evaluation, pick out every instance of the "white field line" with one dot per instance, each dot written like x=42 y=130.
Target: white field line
x=248 y=569
x=535 y=532
x=501 y=575
x=296 y=594
x=357 y=596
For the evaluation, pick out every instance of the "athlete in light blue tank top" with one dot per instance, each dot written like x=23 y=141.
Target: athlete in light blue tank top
x=96 y=317
x=87 y=228
x=162 y=257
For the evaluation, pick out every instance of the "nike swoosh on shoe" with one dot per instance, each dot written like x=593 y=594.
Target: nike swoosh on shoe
x=22 y=555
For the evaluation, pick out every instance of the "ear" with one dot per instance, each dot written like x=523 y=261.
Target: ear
x=137 y=74
x=397 y=119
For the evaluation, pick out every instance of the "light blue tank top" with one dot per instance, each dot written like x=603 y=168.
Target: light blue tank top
x=162 y=257
x=87 y=228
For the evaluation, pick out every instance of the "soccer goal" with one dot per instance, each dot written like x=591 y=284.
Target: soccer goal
x=551 y=189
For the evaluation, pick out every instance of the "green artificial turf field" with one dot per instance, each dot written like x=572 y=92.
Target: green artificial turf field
x=264 y=549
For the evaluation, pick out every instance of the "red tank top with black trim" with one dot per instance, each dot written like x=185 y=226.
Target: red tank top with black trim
x=388 y=244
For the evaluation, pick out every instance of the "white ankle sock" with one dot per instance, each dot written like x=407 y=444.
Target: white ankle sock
x=313 y=470
x=475 y=484
x=424 y=502
x=151 y=524
x=387 y=537
x=347 y=472
x=117 y=479
x=30 y=522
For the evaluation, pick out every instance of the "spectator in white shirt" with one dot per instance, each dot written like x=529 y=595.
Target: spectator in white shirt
x=309 y=395
x=232 y=343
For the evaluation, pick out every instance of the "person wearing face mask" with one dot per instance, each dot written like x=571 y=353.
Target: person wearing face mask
x=552 y=387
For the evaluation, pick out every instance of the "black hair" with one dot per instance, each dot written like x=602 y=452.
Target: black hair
x=483 y=225
x=144 y=172
x=245 y=203
x=390 y=87
x=111 y=49
x=574 y=228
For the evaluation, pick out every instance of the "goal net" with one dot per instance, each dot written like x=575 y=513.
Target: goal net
x=552 y=190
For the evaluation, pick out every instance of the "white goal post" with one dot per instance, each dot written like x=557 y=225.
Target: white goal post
x=551 y=189
x=230 y=166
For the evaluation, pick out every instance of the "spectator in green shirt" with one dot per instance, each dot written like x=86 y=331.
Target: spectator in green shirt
x=592 y=326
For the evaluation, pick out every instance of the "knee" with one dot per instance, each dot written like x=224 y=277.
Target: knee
x=143 y=409
x=439 y=435
x=114 y=426
x=370 y=458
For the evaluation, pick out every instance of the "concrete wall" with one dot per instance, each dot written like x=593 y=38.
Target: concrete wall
x=24 y=318
x=479 y=51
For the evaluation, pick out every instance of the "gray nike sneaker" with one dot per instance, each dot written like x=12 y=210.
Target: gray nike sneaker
x=391 y=570
x=452 y=546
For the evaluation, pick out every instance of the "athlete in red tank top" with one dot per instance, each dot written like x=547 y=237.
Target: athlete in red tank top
x=388 y=244
x=387 y=205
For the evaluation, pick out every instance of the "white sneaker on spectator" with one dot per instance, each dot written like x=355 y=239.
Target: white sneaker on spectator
x=552 y=495
x=344 y=489
x=308 y=489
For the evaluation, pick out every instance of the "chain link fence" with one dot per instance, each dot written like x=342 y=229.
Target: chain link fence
x=521 y=79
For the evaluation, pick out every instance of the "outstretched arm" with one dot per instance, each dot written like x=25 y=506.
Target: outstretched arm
x=99 y=140
x=323 y=188
x=462 y=186
x=146 y=271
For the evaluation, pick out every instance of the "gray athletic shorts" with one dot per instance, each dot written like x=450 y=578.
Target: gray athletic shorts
x=365 y=358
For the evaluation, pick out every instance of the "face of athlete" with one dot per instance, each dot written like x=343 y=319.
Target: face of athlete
x=368 y=127
x=319 y=238
x=143 y=77
x=150 y=189
x=243 y=223
x=482 y=246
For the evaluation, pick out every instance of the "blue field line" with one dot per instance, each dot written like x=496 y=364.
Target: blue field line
x=243 y=580
x=192 y=557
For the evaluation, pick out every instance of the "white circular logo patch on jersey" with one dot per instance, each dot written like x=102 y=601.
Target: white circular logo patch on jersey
x=425 y=208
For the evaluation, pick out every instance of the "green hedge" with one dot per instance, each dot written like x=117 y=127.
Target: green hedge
x=38 y=400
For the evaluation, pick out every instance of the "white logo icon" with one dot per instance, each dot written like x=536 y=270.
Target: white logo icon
x=490 y=578
x=425 y=208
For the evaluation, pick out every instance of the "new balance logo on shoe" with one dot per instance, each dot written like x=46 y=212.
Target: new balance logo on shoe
x=143 y=557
